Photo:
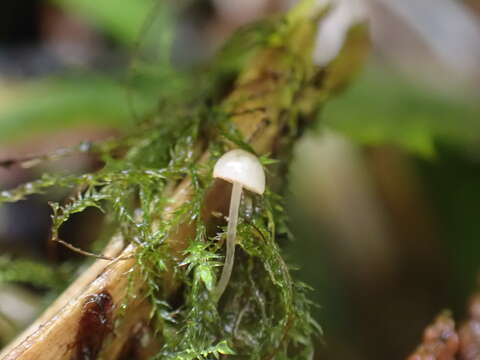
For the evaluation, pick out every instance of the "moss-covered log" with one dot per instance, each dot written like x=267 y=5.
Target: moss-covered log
x=168 y=211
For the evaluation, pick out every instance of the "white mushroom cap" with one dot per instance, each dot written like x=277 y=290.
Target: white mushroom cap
x=242 y=167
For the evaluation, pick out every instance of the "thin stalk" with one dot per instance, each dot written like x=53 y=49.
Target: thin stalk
x=231 y=236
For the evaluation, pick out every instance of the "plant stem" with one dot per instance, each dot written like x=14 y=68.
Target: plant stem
x=231 y=235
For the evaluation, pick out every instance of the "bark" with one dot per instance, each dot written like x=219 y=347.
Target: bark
x=440 y=341
x=469 y=332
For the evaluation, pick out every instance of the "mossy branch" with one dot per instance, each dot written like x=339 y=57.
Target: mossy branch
x=163 y=200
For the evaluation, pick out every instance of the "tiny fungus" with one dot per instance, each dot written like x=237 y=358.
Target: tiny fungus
x=243 y=170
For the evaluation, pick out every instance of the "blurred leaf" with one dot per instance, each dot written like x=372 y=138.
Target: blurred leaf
x=33 y=273
x=70 y=99
x=382 y=107
x=151 y=70
x=59 y=103
x=120 y=19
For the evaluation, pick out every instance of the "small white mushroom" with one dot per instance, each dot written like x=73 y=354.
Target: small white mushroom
x=243 y=170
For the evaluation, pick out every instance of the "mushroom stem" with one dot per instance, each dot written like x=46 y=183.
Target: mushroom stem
x=231 y=235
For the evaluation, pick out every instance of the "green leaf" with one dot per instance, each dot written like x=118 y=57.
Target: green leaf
x=33 y=273
x=55 y=104
x=120 y=19
x=382 y=108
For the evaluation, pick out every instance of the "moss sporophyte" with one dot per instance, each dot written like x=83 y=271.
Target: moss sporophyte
x=160 y=197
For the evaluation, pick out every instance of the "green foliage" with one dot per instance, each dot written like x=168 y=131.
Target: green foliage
x=74 y=99
x=34 y=273
x=382 y=108
x=58 y=103
x=120 y=20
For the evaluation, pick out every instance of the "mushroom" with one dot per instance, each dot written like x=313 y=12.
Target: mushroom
x=243 y=170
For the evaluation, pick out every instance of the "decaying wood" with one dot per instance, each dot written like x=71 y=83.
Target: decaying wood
x=261 y=107
x=440 y=341
x=469 y=332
